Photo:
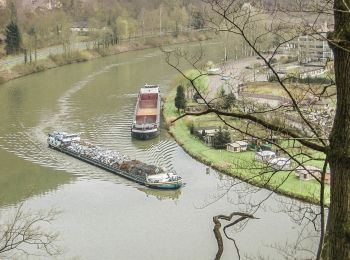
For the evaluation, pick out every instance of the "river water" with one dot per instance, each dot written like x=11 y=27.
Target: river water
x=103 y=215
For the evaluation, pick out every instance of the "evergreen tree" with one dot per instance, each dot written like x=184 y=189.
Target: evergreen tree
x=221 y=138
x=180 y=100
x=13 y=38
x=198 y=20
x=229 y=100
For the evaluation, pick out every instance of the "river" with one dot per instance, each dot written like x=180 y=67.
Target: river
x=103 y=215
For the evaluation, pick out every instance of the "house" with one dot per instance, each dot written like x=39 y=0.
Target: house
x=243 y=144
x=310 y=173
x=280 y=163
x=237 y=146
x=206 y=133
x=80 y=26
x=264 y=156
x=233 y=147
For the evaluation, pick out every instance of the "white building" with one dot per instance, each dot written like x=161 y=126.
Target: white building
x=80 y=26
x=309 y=48
x=233 y=147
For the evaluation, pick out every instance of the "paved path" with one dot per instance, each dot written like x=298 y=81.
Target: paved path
x=237 y=72
x=11 y=61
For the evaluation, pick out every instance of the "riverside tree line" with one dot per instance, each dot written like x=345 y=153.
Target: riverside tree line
x=27 y=29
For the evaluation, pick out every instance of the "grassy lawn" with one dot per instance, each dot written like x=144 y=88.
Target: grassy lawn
x=241 y=165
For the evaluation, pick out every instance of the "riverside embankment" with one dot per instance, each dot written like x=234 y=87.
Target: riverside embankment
x=239 y=165
x=53 y=57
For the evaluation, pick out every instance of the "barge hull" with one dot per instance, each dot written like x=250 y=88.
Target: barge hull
x=101 y=165
x=144 y=136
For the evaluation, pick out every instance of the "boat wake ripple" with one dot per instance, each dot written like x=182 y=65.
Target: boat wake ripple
x=30 y=144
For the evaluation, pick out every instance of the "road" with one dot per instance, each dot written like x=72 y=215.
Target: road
x=236 y=72
x=11 y=61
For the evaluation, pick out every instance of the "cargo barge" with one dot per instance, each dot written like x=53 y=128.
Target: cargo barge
x=146 y=121
x=115 y=162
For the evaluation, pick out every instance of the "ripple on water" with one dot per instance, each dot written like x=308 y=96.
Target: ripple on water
x=110 y=131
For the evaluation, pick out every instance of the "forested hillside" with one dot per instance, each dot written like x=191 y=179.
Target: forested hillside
x=50 y=22
x=138 y=14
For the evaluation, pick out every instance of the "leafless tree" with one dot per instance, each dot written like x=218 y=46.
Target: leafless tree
x=255 y=23
x=25 y=232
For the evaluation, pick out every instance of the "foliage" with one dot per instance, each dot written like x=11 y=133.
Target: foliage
x=198 y=20
x=229 y=100
x=62 y=59
x=180 y=100
x=225 y=101
x=13 y=38
x=107 y=21
x=221 y=138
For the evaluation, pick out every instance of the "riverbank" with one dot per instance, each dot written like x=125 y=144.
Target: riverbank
x=283 y=183
x=75 y=56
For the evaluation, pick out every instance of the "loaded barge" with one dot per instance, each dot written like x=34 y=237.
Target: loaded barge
x=146 y=121
x=115 y=162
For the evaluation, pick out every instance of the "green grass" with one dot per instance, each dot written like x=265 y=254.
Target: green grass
x=241 y=165
x=202 y=82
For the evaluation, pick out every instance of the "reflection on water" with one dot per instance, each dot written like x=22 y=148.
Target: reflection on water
x=162 y=194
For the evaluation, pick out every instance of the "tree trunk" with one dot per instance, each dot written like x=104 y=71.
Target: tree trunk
x=339 y=152
x=25 y=56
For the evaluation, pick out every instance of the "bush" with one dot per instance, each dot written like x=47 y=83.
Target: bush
x=29 y=68
x=67 y=58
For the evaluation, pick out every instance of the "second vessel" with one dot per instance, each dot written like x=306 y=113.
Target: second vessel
x=146 y=121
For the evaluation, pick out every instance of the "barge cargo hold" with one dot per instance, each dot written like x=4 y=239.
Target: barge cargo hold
x=115 y=162
x=146 y=121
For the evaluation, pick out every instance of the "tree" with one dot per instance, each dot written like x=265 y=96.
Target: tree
x=221 y=138
x=13 y=38
x=312 y=135
x=229 y=101
x=25 y=232
x=198 y=20
x=338 y=151
x=180 y=100
x=34 y=40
